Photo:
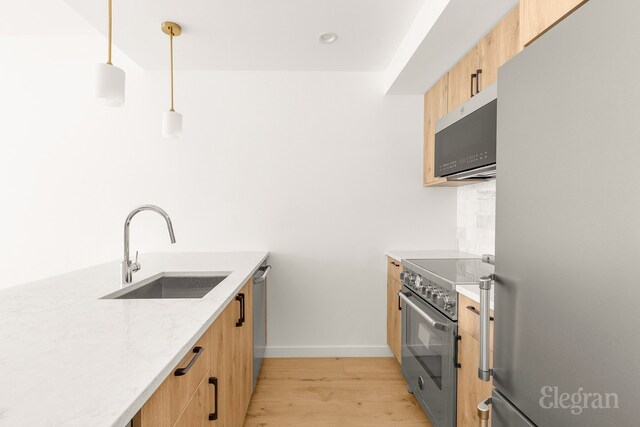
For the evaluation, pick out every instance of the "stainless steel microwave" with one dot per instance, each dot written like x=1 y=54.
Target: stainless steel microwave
x=466 y=139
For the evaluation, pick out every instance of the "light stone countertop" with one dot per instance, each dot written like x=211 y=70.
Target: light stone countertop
x=399 y=255
x=69 y=358
x=469 y=291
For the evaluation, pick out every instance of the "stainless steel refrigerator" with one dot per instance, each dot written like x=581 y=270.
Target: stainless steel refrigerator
x=567 y=290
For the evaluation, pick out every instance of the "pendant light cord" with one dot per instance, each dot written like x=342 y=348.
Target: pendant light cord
x=171 y=59
x=110 y=25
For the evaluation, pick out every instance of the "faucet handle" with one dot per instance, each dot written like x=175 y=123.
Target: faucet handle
x=135 y=266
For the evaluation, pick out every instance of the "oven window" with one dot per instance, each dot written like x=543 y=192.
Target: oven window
x=427 y=345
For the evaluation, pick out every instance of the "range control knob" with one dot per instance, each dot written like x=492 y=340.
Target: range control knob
x=435 y=296
x=407 y=278
x=448 y=301
x=418 y=282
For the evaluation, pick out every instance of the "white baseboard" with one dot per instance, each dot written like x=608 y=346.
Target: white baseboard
x=276 y=351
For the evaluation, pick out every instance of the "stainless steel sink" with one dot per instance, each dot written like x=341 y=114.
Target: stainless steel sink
x=169 y=285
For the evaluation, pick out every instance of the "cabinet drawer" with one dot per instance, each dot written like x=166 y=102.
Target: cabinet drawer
x=394 y=268
x=192 y=367
x=173 y=395
x=469 y=318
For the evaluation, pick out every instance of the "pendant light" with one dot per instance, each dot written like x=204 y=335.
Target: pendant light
x=171 y=121
x=109 y=83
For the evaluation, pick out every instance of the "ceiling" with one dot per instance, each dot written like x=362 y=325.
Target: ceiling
x=41 y=18
x=258 y=34
x=440 y=35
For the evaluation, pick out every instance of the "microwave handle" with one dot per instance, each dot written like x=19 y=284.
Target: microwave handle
x=484 y=372
x=422 y=314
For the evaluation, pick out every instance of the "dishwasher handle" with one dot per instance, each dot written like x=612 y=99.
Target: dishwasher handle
x=265 y=273
x=425 y=316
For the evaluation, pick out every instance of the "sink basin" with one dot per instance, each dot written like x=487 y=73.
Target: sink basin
x=171 y=286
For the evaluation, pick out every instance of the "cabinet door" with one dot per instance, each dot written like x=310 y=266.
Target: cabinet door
x=460 y=86
x=201 y=405
x=537 y=16
x=220 y=383
x=237 y=359
x=229 y=408
x=394 y=316
x=435 y=106
x=498 y=46
x=244 y=355
x=471 y=390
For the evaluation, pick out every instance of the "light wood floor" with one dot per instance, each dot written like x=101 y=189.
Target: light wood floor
x=329 y=392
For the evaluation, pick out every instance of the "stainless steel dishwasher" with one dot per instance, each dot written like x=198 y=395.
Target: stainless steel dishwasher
x=259 y=318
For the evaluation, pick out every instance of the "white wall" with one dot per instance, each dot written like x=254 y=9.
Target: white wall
x=320 y=169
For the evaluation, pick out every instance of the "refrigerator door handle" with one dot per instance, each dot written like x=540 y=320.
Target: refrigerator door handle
x=483 y=411
x=484 y=372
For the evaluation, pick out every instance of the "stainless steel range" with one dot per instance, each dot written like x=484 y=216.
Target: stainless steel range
x=430 y=330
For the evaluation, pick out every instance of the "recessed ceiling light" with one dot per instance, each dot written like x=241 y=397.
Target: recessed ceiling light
x=328 y=38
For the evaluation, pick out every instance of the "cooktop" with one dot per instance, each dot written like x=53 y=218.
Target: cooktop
x=451 y=272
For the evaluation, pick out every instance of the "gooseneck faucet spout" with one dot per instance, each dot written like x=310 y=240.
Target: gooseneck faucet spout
x=129 y=267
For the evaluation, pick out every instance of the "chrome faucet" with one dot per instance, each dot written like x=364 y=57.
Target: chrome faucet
x=129 y=267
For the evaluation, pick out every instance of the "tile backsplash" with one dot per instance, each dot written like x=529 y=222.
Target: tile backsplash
x=476 y=218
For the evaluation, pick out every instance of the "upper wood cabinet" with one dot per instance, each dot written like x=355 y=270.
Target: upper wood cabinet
x=435 y=106
x=474 y=72
x=538 y=16
x=500 y=45
x=461 y=83
x=479 y=67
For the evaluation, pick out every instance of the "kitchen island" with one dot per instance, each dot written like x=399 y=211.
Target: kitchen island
x=70 y=358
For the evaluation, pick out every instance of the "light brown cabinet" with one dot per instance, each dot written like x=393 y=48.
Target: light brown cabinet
x=479 y=67
x=461 y=82
x=215 y=383
x=497 y=47
x=435 y=106
x=394 y=313
x=473 y=73
x=471 y=390
x=196 y=412
x=240 y=365
x=538 y=16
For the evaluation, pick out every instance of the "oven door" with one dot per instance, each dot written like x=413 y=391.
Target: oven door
x=428 y=353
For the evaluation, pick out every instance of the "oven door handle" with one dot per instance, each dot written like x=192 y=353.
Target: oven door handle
x=425 y=316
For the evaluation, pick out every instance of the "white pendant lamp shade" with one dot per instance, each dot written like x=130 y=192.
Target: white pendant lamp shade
x=171 y=124
x=109 y=85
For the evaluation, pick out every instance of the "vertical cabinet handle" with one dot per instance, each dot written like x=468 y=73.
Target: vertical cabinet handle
x=456 y=363
x=197 y=351
x=399 y=303
x=478 y=73
x=473 y=76
x=214 y=415
x=240 y=299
